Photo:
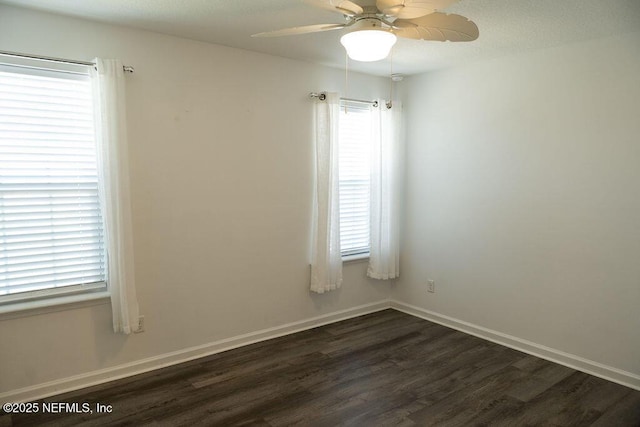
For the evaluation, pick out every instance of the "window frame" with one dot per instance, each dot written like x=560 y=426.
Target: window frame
x=74 y=293
x=345 y=107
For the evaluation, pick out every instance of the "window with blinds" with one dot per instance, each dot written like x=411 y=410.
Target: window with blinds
x=355 y=134
x=51 y=229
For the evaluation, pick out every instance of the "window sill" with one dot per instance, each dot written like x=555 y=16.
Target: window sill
x=355 y=258
x=33 y=308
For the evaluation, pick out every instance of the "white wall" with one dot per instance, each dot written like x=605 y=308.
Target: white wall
x=523 y=197
x=220 y=149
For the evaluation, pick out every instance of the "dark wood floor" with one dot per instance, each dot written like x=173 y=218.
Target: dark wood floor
x=386 y=368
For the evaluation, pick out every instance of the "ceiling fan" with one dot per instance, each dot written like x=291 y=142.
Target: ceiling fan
x=373 y=29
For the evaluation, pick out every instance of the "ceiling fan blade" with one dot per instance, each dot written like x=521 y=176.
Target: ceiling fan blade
x=409 y=9
x=300 y=30
x=393 y=10
x=438 y=27
x=344 y=7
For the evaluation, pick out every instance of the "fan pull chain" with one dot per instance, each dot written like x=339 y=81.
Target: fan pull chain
x=346 y=79
x=390 y=102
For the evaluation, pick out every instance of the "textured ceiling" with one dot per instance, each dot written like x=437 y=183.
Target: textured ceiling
x=506 y=26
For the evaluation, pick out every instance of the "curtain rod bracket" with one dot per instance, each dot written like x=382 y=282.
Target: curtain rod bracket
x=321 y=96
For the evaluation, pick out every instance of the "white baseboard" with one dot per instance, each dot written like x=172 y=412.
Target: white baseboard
x=572 y=361
x=101 y=376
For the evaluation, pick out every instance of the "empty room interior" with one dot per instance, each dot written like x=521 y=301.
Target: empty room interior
x=241 y=212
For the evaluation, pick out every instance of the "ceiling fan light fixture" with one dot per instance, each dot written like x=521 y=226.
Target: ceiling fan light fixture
x=368 y=43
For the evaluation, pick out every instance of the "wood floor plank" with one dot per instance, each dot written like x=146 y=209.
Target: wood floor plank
x=543 y=376
x=382 y=369
x=368 y=321
x=460 y=406
x=625 y=413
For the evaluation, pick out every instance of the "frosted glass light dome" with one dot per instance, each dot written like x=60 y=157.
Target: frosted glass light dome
x=368 y=42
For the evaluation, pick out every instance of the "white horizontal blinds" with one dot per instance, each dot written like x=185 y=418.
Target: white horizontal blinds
x=51 y=230
x=355 y=168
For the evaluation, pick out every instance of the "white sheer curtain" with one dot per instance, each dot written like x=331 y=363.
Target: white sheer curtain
x=384 y=257
x=108 y=84
x=326 y=260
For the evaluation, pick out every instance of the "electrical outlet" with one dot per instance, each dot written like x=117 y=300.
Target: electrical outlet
x=140 y=325
x=431 y=286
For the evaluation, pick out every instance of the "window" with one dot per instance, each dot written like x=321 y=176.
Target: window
x=355 y=134
x=51 y=227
